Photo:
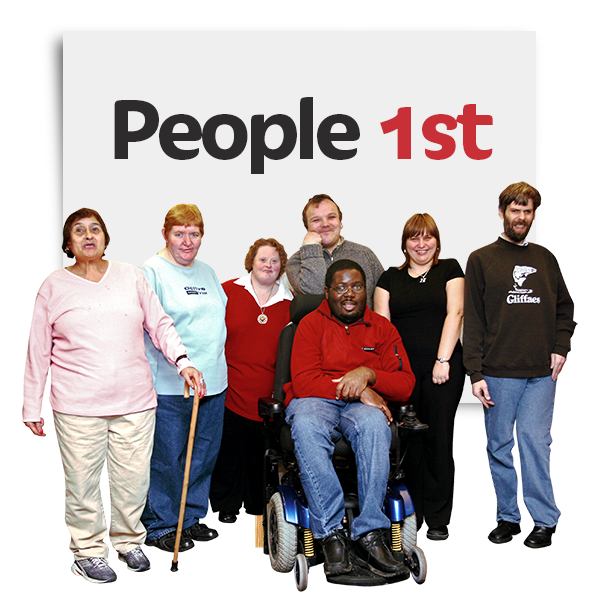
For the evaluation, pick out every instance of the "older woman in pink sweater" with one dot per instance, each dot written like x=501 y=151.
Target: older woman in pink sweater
x=88 y=327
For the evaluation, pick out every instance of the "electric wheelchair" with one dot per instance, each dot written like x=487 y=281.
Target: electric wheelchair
x=287 y=534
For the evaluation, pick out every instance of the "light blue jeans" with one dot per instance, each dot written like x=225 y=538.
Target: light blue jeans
x=317 y=423
x=530 y=404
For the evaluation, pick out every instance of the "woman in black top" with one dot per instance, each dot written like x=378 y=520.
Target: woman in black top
x=424 y=300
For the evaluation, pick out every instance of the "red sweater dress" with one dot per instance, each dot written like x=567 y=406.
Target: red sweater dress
x=251 y=348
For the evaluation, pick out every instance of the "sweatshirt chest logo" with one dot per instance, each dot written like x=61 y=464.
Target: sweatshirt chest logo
x=518 y=294
x=192 y=290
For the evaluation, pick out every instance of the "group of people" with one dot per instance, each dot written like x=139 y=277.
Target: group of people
x=128 y=336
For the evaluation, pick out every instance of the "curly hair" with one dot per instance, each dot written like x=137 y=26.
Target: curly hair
x=253 y=250
x=343 y=264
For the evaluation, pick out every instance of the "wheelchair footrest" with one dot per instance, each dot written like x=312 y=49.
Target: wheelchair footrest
x=362 y=575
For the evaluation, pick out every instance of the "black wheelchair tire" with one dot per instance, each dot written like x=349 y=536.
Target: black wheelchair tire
x=282 y=536
x=418 y=568
x=409 y=533
x=301 y=572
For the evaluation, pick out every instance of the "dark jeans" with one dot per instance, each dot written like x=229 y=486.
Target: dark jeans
x=429 y=463
x=173 y=416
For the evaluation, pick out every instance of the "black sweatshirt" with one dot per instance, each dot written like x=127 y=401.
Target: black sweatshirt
x=518 y=311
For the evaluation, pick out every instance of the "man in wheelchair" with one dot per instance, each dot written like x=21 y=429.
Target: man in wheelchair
x=347 y=363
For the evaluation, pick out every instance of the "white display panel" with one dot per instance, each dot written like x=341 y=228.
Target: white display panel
x=366 y=74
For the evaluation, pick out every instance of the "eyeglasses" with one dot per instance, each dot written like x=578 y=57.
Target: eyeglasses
x=342 y=289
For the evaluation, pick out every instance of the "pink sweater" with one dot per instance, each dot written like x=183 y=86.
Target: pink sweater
x=92 y=334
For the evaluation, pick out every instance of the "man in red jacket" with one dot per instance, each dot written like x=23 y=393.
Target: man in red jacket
x=347 y=363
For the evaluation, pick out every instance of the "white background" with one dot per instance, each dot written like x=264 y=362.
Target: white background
x=365 y=75
x=570 y=130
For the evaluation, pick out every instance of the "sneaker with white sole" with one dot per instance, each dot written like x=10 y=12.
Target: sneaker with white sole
x=94 y=570
x=136 y=560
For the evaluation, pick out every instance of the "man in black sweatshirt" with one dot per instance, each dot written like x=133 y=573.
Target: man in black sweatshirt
x=517 y=332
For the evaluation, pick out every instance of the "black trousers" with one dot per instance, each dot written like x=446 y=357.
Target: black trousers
x=237 y=479
x=429 y=464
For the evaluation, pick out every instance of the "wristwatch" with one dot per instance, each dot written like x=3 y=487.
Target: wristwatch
x=442 y=360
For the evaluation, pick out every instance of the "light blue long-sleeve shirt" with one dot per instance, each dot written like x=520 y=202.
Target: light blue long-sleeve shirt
x=195 y=300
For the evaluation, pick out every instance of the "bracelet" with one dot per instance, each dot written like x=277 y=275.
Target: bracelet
x=442 y=360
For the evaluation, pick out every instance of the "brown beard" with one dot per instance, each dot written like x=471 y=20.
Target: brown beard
x=512 y=235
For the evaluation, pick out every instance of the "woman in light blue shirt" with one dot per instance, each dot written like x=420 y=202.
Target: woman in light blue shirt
x=191 y=294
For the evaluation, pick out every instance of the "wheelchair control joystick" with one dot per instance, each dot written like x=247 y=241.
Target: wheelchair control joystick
x=410 y=421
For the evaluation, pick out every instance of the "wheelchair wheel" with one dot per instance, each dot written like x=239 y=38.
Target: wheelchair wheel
x=417 y=564
x=282 y=536
x=409 y=533
x=301 y=572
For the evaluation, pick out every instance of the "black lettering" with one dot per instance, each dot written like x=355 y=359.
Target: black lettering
x=306 y=128
x=122 y=134
x=259 y=148
x=167 y=136
x=325 y=136
x=240 y=137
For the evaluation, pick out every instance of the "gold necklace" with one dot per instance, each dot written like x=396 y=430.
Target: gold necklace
x=262 y=318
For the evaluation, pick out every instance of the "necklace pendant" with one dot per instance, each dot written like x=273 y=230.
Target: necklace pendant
x=423 y=278
x=262 y=319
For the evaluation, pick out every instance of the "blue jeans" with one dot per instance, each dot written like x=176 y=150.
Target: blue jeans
x=317 y=423
x=173 y=416
x=529 y=403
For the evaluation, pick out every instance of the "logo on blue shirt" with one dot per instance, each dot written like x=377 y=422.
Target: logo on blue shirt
x=193 y=290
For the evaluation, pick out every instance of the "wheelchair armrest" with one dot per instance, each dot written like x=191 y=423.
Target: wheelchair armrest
x=269 y=408
x=398 y=410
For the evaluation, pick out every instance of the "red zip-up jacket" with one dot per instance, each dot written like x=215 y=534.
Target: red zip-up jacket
x=326 y=349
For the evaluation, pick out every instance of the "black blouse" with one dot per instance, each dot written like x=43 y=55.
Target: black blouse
x=418 y=310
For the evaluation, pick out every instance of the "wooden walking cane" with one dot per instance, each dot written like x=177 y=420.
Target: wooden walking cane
x=186 y=473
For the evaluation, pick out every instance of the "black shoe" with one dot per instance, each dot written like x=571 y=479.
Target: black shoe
x=504 y=532
x=227 y=517
x=166 y=542
x=335 y=553
x=200 y=532
x=540 y=537
x=438 y=533
x=373 y=549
